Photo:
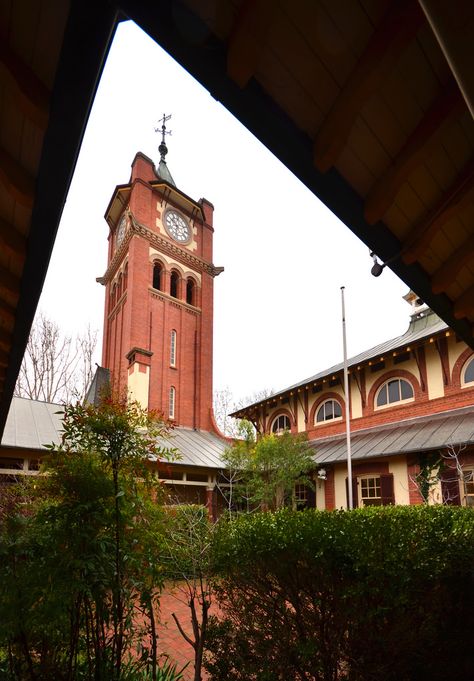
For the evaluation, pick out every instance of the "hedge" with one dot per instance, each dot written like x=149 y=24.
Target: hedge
x=381 y=593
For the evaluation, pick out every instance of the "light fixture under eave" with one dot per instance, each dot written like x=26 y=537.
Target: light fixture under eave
x=377 y=267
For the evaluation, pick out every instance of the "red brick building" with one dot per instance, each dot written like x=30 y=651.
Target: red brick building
x=411 y=404
x=158 y=331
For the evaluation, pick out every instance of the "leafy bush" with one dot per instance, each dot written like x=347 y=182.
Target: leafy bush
x=377 y=593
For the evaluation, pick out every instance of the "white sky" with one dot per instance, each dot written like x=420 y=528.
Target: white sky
x=277 y=313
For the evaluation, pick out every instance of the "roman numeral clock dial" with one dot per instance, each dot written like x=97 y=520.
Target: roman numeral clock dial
x=177 y=227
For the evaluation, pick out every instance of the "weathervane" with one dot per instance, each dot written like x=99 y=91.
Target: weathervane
x=163 y=149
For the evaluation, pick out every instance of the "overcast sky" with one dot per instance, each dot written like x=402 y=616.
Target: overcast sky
x=277 y=314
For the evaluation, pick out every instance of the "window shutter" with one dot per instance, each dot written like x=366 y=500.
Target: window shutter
x=310 y=498
x=450 y=487
x=386 y=489
x=354 y=494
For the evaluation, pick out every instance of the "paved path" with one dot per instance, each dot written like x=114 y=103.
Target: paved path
x=171 y=641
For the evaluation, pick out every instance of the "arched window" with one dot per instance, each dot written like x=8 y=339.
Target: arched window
x=125 y=277
x=468 y=372
x=173 y=348
x=395 y=390
x=174 y=283
x=119 y=286
x=280 y=424
x=328 y=411
x=113 y=296
x=157 y=275
x=190 y=288
x=172 y=402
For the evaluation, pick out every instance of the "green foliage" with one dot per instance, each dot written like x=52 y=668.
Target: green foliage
x=269 y=468
x=430 y=466
x=79 y=569
x=376 y=593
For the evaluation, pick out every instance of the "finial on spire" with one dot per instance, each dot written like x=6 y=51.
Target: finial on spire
x=163 y=149
x=163 y=171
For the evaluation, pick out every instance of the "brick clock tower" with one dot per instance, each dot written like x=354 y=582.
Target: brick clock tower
x=158 y=323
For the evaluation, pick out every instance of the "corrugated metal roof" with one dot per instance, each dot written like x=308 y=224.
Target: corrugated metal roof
x=197 y=447
x=425 y=433
x=427 y=324
x=32 y=425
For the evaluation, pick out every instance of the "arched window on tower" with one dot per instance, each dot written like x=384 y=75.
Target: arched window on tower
x=173 y=348
x=157 y=275
x=172 y=403
x=113 y=296
x=174 y=284
x=125 y=277
x=119 y=286
x=190 y=292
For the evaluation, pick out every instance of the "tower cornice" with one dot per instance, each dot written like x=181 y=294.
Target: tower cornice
x=161 y=243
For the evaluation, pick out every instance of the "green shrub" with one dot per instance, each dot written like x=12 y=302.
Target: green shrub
x=373 y=594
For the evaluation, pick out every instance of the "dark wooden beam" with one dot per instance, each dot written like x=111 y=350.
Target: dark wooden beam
x=448 y=105
x=31 y=95
x=7 y=312
x=464 y=305
x=458 y=195
x=247 y=39
x=3 y=358
x=12 y=239
x=17 y=181
x=5 y=339
x=87 y=38
x=446 y=274
x=9 y=281
x=397 y=29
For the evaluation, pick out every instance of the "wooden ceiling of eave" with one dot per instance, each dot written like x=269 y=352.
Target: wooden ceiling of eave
x=30 y=42
x=261 y=59
x=45 y=97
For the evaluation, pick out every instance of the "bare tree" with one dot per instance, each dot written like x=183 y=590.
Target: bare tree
x=186 y=556
x=225 y=404
x=440 y=474
x=55 y=367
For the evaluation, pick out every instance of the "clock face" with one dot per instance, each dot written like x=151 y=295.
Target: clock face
x=121 y=230
x=177 y=227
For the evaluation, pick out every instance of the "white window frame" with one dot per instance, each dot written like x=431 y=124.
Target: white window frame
x=464 y=383
x=173 y=338
x=172 y=402
x=324 y=421
x=467 y=477
x=361 y=479
x=390 y=404
x=280 y=430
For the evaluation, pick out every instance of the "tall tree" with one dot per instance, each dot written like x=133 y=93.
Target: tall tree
x=56 y=367
x=269 y=469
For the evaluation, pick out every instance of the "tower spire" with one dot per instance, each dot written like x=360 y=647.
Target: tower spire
x=163 y=171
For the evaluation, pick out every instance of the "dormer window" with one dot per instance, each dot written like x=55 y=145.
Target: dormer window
x=468 y=373
x=329 y=411
x=393 y=391
x=280 y=424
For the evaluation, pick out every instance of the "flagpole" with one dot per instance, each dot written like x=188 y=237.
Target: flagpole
x=346 y=393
